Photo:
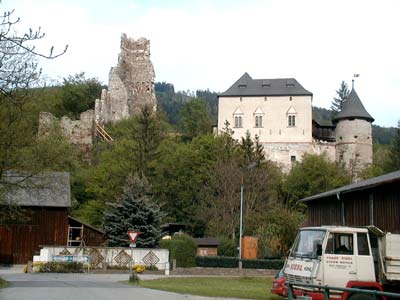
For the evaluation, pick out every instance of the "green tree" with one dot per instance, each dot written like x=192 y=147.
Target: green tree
x=251 y=151
x=135 y=210
x=78 y=94
x=314 y=174
x=393 y=162
x=342 y=94
x=147 y=136
x=195 y=119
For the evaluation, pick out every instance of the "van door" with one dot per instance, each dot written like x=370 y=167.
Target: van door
x=340 y=265
x=365 y=260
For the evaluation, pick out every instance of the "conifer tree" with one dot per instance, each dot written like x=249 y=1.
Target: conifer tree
x=337 y=102
x=393 y=162
x=135 y=211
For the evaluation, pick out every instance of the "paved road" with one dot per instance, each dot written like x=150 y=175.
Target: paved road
x=79 y=286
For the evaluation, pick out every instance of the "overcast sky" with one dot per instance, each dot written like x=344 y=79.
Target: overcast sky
x=210 y=44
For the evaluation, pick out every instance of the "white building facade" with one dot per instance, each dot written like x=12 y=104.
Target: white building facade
x=279 y=112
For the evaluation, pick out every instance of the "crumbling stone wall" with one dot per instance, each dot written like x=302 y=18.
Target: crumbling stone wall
x=78 y=132
x=131 y=83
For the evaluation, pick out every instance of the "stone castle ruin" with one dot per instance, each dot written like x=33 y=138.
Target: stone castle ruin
x=131 y=83
x=130 y=88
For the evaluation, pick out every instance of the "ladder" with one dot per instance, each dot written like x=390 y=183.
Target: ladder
x=102 y=133
x=75 y=236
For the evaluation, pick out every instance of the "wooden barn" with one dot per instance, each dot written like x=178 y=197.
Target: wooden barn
x=375 y=201
x=42 y=215
x=41 y=218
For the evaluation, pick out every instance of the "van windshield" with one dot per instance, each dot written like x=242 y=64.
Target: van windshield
x=308 y=243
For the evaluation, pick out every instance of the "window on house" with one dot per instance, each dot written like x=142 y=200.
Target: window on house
x=258 y=121
x=291 y=120
x=238 y=122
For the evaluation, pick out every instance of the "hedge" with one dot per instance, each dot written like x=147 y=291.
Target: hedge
x=233 y=262
x=182 y=248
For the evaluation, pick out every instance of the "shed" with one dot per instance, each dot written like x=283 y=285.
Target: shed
x=375 y=201
x=43 y=200
x=207 y=246
x=83 y=234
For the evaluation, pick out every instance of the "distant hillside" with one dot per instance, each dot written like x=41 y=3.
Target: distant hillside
x=172 y=102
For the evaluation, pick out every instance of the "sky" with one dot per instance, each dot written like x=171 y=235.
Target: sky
x=210 y=44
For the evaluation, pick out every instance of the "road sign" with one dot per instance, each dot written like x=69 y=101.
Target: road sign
x=133 y=236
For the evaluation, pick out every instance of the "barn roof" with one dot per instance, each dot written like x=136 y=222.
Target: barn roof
x=51 y=189
x=362 y=185
x=85 y=224
x=247 y=86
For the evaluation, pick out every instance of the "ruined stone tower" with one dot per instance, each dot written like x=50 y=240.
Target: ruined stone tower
x=353 y=134
x=131 y=83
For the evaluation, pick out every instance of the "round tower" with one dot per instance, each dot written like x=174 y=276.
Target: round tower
x=353 y=134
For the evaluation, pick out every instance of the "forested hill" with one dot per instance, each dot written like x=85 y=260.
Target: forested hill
x=172 y=102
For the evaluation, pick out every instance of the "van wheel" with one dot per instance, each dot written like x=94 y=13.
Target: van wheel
x=360 y=296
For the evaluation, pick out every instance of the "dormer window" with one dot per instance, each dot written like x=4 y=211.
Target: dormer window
x=242 y=86
x=266 y=83
x=290 y=83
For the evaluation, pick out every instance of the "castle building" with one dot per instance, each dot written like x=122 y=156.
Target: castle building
x=131 y=83
x=279 y=112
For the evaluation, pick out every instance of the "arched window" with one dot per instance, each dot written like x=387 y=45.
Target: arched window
x=258 y=118
x=238 y=118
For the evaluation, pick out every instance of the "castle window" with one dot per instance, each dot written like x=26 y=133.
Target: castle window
x=258 y=121
x=238 y=122
x=241 y=99
x=293 y=158
x=290 y=98
x=258 y=117
x=265 y=98
x=291 y=120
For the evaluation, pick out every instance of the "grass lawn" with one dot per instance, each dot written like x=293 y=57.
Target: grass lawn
x=235 y=287
x=3 y=283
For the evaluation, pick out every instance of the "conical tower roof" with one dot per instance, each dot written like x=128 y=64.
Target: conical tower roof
x=353 y=108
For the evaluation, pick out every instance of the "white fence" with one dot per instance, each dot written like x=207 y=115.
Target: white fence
x=103 y=257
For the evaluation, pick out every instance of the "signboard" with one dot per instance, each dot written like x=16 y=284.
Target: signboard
x=71 y=258
x=133 y=236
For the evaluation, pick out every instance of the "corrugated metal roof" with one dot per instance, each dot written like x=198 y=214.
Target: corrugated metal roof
x=353 y=108
x=362 y=185
x=50 y=189
x=246 y=86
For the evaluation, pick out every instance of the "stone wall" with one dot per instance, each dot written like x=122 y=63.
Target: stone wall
x=78 y=132
x=131 y=83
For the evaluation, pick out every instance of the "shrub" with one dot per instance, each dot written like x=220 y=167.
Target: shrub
x=217 y=261
x=233 y=262
x=262 y=264
x=182 y=248
x=227 y=247
x=58 y=267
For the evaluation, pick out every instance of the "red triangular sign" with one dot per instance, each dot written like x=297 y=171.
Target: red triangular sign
x=133 y=236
